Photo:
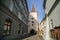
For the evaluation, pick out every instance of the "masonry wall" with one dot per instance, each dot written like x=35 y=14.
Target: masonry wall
x=5 y=13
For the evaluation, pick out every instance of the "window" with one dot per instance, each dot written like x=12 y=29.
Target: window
x=32 y=18
x=32 y=24
x=32 y=21
x=7 y=27
x=11 y=5
x=20 y=16
x=19 y=28
x=21 y=5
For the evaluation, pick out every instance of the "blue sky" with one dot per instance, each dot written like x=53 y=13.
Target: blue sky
x=38 y=5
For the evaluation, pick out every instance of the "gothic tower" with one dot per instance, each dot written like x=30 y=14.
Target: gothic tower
x=33 y=24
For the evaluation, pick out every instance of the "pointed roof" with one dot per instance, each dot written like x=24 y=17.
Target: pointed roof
x=33 y=10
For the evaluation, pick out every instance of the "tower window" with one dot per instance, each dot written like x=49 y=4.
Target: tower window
x=19 y=28
x=32 y=18
x=32 y=24
x=32 y=21
x=7 y=27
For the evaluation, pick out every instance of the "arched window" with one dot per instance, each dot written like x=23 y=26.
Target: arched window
x=7 y=27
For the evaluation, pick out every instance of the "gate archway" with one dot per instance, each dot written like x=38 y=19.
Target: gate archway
x=32 y=31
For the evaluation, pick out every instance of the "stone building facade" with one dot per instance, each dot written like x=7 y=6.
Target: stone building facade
x=13 y=19
x=42 y=28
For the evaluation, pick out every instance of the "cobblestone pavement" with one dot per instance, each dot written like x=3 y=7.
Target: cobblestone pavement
x=34 y=37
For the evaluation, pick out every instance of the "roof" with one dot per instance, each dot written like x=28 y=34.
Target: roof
x=33 y=9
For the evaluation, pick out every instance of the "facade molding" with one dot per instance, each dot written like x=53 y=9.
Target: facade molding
x=53 y=7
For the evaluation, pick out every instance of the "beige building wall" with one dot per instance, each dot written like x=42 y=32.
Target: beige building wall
x=42 y=28
x=48 y=5
x=53 y=9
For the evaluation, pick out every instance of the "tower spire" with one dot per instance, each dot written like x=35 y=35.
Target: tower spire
x=33 y=10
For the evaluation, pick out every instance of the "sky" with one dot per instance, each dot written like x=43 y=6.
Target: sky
x=38 y=5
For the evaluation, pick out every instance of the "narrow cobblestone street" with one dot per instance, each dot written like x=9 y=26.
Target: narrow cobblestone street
x=29 y=19
x=34 y=37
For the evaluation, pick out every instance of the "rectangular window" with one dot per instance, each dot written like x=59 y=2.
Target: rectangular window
x=19 y=28
x=7 y=28
x=20 y=16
